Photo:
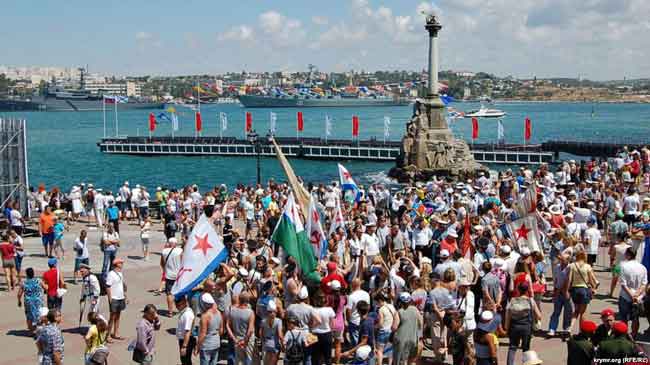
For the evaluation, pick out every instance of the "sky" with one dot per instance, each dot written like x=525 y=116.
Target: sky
x=594 y=39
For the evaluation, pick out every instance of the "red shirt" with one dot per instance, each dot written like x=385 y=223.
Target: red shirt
x=50 y=278
x=7 y=250
x=449 y=244
x=329 y=278
x=557 y=221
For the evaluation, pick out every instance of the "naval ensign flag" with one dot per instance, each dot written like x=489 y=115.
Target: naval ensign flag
x=203 y=253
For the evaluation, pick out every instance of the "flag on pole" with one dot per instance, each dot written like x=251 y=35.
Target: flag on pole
x=474 y=128
x=315 y=230
x=152 y=122
x=524 y=233
x=500 y=134
x=109 y=99
x=199 y=122
x=328 y=126
x=223 y=118
x=528 y=129
x=174 y=122
x=355 y=126
x=300 y=121
x=121 y=99
x=249 y=122
x=291 y=235
x=337 y=220
x=203 y=253
x=164 y=117
x=446 y=99
x=386 y=127
x=347 y=182
x=272 y=122
x=527 y=204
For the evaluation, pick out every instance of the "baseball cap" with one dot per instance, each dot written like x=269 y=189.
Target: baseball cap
x=405 y=297
x=243 y=272
x=619 y=327
x=525 y=251
x=334 y=284
x=304 y=293
x=505 y=249
x=52 y=262
x=607 y=312
x=444 y=253
x=499 y=262
x=207 y=298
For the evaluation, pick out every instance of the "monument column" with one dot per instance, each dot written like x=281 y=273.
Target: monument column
x=433 y=27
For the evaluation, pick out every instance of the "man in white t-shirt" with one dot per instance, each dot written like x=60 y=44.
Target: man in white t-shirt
x=170 y=262
x=592 y=241
x=631 y=206
x=354 y=319
x=116 y=294
x=186 y=341
x=634 y=280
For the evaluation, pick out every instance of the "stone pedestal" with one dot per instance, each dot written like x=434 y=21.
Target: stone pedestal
x=429 y=148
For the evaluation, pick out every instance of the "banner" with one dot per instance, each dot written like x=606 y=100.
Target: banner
x=174 y=122
x=328 y=126
x=524 y=233
x=474 y=128
x=249 y=122
x=152 y=122
x=301 y=125
x=223 y=118
x=528 y=129
x=500 y=134
x=199 y=122
x=315 y=231
x=386 y=128
x=355 y=126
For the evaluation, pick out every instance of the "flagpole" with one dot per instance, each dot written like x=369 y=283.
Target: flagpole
x=104 y=113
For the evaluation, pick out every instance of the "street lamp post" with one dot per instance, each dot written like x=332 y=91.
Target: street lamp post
x=252 y=138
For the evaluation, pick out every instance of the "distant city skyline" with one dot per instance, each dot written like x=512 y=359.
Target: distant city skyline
x=596 y=39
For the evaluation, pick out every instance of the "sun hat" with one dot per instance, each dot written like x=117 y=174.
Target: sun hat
x=334 y=285
x=207 y=298
x=304 y=293
x=43 y=311
x=555 y=209
x=487 y=322
x=505 y=249
x=531 y=358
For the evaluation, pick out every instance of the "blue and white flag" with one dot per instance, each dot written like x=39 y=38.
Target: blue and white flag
x=272 y=122
x=164 y=117
x=446 y=99
x=121 y=99
x=223 y=117
x=203 y=253
x=347 y=183
x=500 y=134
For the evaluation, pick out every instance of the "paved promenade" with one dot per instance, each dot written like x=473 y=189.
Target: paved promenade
x=144 y=277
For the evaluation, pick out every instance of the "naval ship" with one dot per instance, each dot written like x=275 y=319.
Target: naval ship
x=309 y=95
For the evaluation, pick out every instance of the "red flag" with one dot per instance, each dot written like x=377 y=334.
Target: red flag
x=109 y=100
x=152 y=122
x=249 y=122
x=300 y=122
x=355 y=126
x=528 y=129
x=474 y=128
x=199 y=123
x=467 y=239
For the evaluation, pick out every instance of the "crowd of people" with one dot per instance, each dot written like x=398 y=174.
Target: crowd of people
x=433 y=267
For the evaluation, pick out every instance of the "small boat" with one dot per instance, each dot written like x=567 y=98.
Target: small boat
x=484 y=112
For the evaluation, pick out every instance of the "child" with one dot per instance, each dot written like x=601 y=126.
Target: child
x=458 y=343
x=59 y=228
x=294 y=342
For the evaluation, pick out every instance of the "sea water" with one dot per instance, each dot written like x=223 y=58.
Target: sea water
x=62 y=146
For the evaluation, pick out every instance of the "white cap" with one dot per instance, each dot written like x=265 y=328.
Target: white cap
x=487 y=316
x=276 y=260
x=363 y=352
x=126 y=183
x=499 y=262
x=137 y=186
x=444 y=253
x=271 y=306
x=43 y=311
x=405 y=297
x=243 y=272
x=207 y=298
x=304 y=293
x=334 y=284
x=506 y=249
x=426 y=260
x=525 y=251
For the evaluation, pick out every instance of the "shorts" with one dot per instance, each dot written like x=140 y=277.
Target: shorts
x=144 y=212
x=591 y=259
x=580 y=295
x=117 y=305
x=427 y=251
x=169 y=284
x=8 y=264
x=78 y=262
x=145 y=242
x=616 y=271
x=628 y=311
x=249 y=224
x=47 y=239
x=629 y=218
x=383 y=337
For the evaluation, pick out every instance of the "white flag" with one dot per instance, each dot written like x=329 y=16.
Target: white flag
x=328 y=125
x=314 y=228
x=338 y=220
x=500 y=133
x=272 y=122
x=203 y=253
x=386 y=127
x=174 y=122
x=524 y=233
x=224 y=120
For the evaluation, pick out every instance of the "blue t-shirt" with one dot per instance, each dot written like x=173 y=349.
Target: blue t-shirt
x=368 y=329
x=112 y=213
x=58 y=230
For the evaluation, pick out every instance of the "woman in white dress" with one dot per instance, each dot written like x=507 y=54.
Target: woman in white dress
x=77 y=205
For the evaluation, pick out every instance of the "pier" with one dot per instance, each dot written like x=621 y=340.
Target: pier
x=308 y=148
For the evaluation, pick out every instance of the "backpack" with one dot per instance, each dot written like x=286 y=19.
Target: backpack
x=520 y=308
x=296 y=351
x=102 y=285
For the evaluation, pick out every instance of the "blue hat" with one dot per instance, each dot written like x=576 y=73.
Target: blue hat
x=51 y=262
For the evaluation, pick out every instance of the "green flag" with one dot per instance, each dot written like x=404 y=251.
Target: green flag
x=291 y=235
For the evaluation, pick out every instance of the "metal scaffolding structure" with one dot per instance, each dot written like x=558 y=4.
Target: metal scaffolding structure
x=14 y=181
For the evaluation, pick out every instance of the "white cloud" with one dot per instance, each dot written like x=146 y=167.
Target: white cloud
x=237 y=33
x=143 y=36
x=281 y=30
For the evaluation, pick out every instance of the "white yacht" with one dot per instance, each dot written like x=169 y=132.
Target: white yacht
x=485 y=112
